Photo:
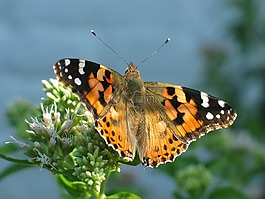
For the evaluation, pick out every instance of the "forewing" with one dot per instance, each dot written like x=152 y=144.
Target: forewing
x=192 y=112
x=96 y=85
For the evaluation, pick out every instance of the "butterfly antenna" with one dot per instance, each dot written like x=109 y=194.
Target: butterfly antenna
x=93 y=32
x=156 y=51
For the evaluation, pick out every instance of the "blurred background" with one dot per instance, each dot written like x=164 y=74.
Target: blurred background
x=216 y=46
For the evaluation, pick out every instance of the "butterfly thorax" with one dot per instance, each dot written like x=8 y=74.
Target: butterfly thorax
x=135 y=86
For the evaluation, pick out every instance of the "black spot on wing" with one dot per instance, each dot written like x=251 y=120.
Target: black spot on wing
x=107 y=74
x=101 y=98
x=91 y=67
x=195 y=95
x=179 y=119
x=175 y=103
x=105 y=83
x=170 y=91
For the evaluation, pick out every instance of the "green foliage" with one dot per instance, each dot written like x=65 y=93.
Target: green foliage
x=227 y=193
x=193 y=180
x=123 y=195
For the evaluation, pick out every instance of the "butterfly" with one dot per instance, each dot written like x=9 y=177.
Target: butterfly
x=156 y=120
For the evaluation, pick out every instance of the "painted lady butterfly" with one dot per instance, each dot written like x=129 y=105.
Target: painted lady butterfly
x=157 y=120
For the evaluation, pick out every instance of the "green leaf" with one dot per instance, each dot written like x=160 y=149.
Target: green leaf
x=77 y=189
x=227 y=193
x=25 y=162
x=9 y=148
x=123 y=195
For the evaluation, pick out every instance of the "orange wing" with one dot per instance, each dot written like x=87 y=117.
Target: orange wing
x=176 y=116
x=100 y=89
x=113 y=128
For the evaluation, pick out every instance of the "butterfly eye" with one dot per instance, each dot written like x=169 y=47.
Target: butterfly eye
x=128 y=71
x=133 y=71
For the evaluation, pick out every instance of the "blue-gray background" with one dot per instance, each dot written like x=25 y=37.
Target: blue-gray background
x=34 y=34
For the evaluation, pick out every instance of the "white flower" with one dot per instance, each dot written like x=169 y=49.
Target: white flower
x=35 y=125
x=57 y=114
x=68 y=122
x=67 y=140
x=44 y=159
x=52 y=132
x=46 y=114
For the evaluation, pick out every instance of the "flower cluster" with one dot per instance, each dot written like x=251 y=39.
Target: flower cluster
x=63 y=140
x=193 y=180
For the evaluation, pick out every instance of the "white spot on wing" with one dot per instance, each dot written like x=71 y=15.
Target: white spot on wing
x=67 y=62
x=209 y=116
x=66 y=70
x=81 y=67
x=77 y=81
x=221 y=103
x=70 y=77
x=218 y=116
x=222 y=112
x=205 y=100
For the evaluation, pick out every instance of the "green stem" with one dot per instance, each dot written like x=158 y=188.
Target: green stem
x=67 y=165
x=16 y=160
x=101 y=194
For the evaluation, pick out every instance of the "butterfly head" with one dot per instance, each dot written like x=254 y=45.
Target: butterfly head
x=132 y=71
